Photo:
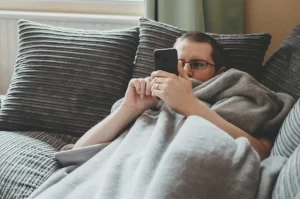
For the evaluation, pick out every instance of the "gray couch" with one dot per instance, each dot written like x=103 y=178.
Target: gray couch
x=66 y=81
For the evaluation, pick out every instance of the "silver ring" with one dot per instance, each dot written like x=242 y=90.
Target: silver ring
x=157 y=86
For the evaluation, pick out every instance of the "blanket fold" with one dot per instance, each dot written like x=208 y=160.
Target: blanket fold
x=165 y=155
x=244 y=102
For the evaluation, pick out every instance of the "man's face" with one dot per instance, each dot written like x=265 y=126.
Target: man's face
x=190 y=50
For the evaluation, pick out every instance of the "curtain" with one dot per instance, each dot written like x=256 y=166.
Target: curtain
x=216 y=16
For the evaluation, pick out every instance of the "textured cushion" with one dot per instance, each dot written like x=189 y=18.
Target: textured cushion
x=1 y=99
x=289 y=135
x=282 y=70
x=288 y=182
x=244 y=51
x=27 y=160
x=66 y=80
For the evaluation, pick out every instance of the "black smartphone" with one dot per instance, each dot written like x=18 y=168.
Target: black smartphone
x=166 y=59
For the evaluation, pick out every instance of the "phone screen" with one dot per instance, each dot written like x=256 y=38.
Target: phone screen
x=166 y=60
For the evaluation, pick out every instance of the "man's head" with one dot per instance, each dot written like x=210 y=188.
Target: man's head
x=202 y=56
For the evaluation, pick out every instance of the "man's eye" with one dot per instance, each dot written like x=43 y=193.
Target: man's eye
x=199 y=64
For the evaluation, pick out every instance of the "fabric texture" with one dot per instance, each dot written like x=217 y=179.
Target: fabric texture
x=244 y=51
x=27 y=160
x=231 y=93
x=288 y=182
x=66 y=80
x=165 y=155
x=234 y=91
x=204 y=15
x=282 y=72
x=288 y=138
x=218 y=21
x=269 y=171
x=1 y=100
x=188 y=15
x=178 y=168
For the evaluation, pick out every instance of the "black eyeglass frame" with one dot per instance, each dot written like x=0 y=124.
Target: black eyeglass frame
x=196 y=60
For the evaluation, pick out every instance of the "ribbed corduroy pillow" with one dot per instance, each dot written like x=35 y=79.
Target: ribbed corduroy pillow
x=287 y=145
x=288 y=138
x=1 y=99
x=66 y=80
x=282 y=70
x=288 y=181
x=27 y=160
x=244 y=51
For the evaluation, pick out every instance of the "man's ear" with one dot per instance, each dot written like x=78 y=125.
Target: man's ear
x=221 y=70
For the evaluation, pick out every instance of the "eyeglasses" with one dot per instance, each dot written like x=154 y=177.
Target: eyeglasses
x=196 y=64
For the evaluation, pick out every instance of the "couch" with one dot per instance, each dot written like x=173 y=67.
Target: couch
x=66 y=80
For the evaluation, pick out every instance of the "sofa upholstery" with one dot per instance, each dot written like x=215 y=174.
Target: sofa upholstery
x=27 y=159
x=282 y=69
x=28 y=140
x=1 y=99
x=62 y=72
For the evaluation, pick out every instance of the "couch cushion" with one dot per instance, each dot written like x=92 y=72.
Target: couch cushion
x=288 y=138
x=288 y=181
x=282 y=70
x=1 y=100
x=66 y=80
x=27 y=160
x=245 y=51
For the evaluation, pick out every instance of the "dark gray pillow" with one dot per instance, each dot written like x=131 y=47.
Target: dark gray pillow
x=66 y=80
x=244 y=51
x=27 y=160
x=282 y=73
x=288 y=138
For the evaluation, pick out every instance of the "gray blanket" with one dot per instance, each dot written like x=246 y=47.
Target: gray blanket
x=165 y=155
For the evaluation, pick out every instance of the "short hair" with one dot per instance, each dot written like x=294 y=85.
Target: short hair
x=217 y=55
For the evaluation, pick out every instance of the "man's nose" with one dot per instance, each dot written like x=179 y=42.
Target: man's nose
x=188 y=69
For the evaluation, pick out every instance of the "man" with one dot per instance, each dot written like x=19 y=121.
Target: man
x=200 y=58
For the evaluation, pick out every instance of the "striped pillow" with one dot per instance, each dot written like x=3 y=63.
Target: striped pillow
x=244 y=51
x=27 y=160
x=1 y=99
x=282 y=72
x=66 y=80
x=288 y=138
x=288 y=182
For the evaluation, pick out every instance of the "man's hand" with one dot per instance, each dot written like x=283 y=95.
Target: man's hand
x=174 y=90
x=138 y=95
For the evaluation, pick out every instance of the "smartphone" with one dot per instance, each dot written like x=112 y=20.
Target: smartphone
x=166 y=59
